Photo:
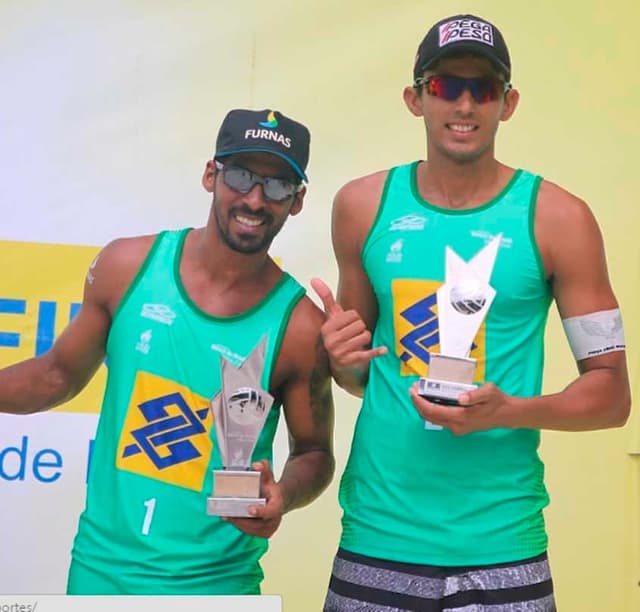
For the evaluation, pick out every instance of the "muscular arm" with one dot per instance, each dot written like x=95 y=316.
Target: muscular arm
x=62 y=372
x=308 y=409
x=302 y=382
x=354 y=210
x=573 y=255
x=573 y=252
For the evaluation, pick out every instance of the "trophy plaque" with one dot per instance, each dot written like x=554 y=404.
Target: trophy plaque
x=240 y=410
x=463 y=302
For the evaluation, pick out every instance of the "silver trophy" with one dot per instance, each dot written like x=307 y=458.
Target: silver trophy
x=240 y=410
x=463 y=302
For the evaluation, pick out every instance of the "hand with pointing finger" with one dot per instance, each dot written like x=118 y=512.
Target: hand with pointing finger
x=346 y=339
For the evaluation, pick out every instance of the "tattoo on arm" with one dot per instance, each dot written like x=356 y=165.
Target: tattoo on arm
x=320 y=386
x=90 y=276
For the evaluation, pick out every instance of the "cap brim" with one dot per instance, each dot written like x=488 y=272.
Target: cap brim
x=286 y=158
x=473 y=49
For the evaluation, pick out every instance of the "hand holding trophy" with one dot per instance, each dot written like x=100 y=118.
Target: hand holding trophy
x=463 y=302
x=240 y=410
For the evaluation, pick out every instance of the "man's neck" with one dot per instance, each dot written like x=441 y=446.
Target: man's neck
x=220 y=281
x=221 y=264
x=460 y=185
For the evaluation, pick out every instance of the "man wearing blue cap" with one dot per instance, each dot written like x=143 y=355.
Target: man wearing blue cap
x=172 y=313
x=448 y=267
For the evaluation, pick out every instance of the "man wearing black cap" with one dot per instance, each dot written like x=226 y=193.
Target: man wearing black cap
x=172 y=313
x=456 y=260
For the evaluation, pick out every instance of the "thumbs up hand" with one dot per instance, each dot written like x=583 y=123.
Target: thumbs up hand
x=344 y=333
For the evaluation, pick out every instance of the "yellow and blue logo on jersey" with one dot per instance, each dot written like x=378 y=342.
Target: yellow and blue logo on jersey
x=166 y=433
x=417 y=330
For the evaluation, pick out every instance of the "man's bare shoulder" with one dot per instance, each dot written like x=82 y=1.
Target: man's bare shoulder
x=122 y=256
x=559 y=208
x=306 y=320
x=362 y=190
x=129 y=251
x=355 y=207
x=304 y=325
x=566 y=230
x=115 y=267
x=302 y=350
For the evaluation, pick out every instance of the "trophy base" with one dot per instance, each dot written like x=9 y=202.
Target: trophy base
x=236 y=483
x=235 y=507
x=442 y=392
x=234 y=491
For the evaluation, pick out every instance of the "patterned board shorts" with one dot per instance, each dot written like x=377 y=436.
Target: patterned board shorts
x=365 y=584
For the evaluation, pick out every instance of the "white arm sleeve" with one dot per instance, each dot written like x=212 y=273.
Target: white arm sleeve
x=595 y=333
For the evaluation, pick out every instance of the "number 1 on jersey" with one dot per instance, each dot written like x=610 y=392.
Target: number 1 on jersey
x=150 y=504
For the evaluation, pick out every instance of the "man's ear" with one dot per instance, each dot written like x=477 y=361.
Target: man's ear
x=511 y=99
x=411 y=97
x=209 y=176
x=296 y=207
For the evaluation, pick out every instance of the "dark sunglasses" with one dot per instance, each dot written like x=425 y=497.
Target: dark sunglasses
x=450 y=88
x=243 y=180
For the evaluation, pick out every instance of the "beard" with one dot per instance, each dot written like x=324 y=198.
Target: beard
x=247 y=243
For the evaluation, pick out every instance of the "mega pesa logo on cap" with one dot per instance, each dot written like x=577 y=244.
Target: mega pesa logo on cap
x=462 y=34
x=465 y=29
x=266 y=131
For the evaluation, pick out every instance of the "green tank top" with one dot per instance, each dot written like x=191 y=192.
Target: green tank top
x=145 y=529
x=418 y=495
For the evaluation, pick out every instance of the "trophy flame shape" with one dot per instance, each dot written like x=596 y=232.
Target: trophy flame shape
x=463 y=302
x=240 y=410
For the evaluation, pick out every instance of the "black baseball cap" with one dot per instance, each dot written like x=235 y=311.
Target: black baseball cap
x=266 y=131
x=462 y=33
